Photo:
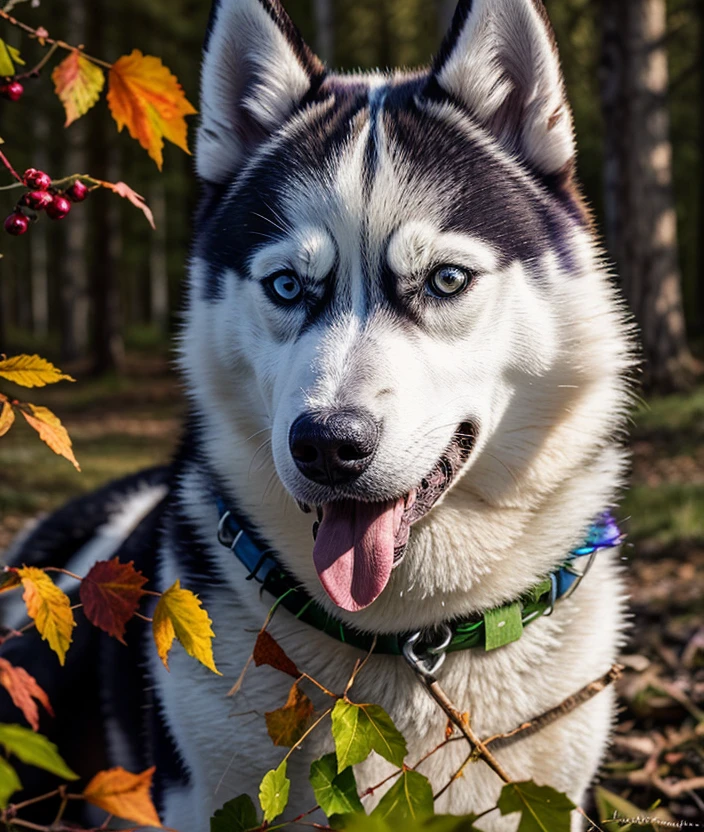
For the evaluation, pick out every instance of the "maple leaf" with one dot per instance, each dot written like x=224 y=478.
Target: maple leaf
x=7 y=417
x=287 y=725
x=124 y=795
x=146 y=98
x=180 y=614
x=49 y=608
x=123 y=189
x=24 y=689
x=9 y=56
x=267 y=650
x=110 y=594
x=31 y=371
x=78 y=83
x=51 y=431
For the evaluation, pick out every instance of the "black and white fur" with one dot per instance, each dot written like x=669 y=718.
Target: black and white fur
x=361 y=185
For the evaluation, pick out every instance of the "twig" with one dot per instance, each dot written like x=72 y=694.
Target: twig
x=7 y=164
x=570 y=704
x=468 y=759
x=359 y=667
x=309 y=731
x=35 y=70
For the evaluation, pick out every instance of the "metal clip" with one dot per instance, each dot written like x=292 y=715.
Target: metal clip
x=225 y=536
x=579 y=575
x=553 y=594
x=427 y=665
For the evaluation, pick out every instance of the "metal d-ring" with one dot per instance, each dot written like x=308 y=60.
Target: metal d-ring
x=427 y=665
x=225 y=536
x=580 y=575
x=550 y=609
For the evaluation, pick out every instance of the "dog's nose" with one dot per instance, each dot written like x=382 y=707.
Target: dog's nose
x=334 y=448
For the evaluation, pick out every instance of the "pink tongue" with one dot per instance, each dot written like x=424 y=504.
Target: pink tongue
x=354 y=550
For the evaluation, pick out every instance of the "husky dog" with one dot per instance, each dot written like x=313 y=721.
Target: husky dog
x=401 y=340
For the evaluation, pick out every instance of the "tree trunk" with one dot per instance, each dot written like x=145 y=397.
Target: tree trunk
x=324 y=30
x=641 y=222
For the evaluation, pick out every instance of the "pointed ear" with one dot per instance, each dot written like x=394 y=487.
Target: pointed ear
x=499 y=61
x=256 y=70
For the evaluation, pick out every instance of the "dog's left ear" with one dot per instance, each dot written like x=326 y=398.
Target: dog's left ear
x=499 y=61
x=256 y=70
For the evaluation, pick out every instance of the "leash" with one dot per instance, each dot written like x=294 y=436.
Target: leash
x=424 y=651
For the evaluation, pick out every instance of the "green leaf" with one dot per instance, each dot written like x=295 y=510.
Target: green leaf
x=236 y=815
x=386 y=739
x=542 y=808
x=451 y=823
x=35 y=750
x=613 y=809
x=336 y=793
x=360 y=729
x=437 y=823
x=503 y=626
x=273 y=792
x=9 y=56
x=409 y=799
x=359 y=822
x=9 y=782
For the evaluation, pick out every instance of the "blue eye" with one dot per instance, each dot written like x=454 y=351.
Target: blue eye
x=284 y=288
x=448 y=281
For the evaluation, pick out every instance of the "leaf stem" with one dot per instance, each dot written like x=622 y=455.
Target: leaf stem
x=16 y=807
x=309 y=731
x=34 y=72
x=63 y=572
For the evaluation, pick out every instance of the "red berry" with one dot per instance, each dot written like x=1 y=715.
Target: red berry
x=58 y=208
x=13 y=91
x=77 y=192
x=37 y=179
x=37 y=200
x=16 y=224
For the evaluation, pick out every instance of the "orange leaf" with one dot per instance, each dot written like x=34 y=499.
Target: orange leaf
x=51 y=431
x=148 y=99
x=122 y=189
x=267 y=650
x=50 y=609
x=287 y=725
x=7 y=417
x=24 y=689
x=78 y=84
x=110 y=594
x=124 y=795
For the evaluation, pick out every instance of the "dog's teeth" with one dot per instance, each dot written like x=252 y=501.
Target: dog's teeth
x=316 y=526
x=304 y=507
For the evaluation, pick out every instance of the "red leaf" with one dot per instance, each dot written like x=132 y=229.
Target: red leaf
x=24 y=689
x=110 y=594
x=267 y=650
x=123 y=189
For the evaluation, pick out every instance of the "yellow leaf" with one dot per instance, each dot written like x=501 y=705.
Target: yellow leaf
x=148 y=99
x=9 y=56
x=124 y=795
x=7 y=417
x=49 y=608
x=31 y=371
x=179 y=614
x=78 y=84
x=51 y=431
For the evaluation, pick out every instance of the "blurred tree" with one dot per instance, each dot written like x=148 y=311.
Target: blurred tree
x=640 y=215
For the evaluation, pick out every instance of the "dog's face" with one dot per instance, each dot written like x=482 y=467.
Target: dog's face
x=388 y=279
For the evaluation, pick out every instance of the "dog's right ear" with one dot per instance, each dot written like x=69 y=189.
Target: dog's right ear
x=256 y=70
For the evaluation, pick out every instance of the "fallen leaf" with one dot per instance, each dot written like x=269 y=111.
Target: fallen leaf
x=31 y=371
x=124 y=795
x=180 y=614
x=49 y=608
x=24 y=689
x=268 y=651
x=78 y=83
x=146 y=98
x=7 y=417
x=287 y=725
x=110 y=594
x=51 y=431
x=122 y=189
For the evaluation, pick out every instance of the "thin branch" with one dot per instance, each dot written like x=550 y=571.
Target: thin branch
x=7 y=164
x=307 y=733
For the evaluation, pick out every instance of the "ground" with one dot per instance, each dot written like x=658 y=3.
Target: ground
x=120 y=425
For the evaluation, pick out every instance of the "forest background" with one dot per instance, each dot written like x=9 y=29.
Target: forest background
x=100 y=294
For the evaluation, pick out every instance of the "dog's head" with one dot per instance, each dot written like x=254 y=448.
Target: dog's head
x=396 y=308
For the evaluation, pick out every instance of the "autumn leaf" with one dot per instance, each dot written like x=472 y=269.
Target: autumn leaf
x=267 y=650
x=31 y=371
x=110 y=594
x=49 y=608
x=9 y=580
x=24 y=689
x=146 y=98
x=124 y=795
x=7 y=417
x=78 y=83
x=124 y=190
x=180 y=614
x=9 y=56
x=51 y=431
x=287 y=725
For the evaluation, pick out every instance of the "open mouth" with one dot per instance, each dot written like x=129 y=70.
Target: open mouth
x=358 y=544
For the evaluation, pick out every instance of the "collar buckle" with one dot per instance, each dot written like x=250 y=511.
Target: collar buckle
x=432 y=655
x=226 y=537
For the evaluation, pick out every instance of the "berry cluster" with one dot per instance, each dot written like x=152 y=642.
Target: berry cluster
x=41 y=196
x=11 y=90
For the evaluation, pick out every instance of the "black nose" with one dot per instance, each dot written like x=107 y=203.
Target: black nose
x=333 y=448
